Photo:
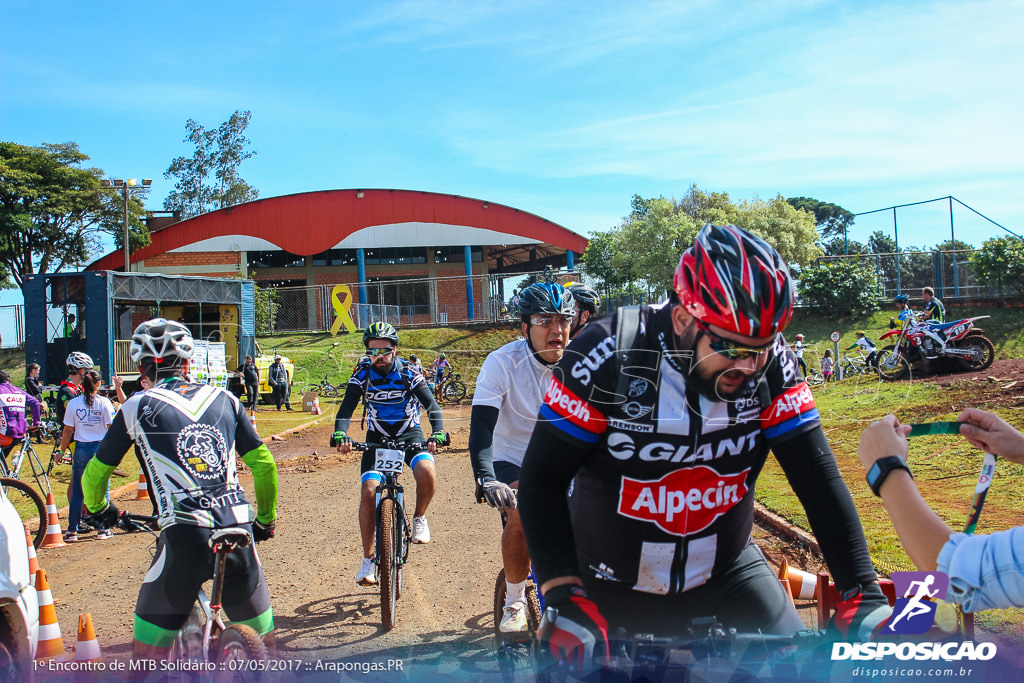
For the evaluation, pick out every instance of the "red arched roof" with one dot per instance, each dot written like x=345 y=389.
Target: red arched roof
x=312 y=222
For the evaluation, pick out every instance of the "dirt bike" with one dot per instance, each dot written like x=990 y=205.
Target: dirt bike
x=911 y=342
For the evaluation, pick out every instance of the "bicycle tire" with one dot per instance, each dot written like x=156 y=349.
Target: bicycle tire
x=30 y=507
x=533 y=613
x=455 y=390
x=239 y=642
x=310 y=387
x=387 y=562
x=331 y=391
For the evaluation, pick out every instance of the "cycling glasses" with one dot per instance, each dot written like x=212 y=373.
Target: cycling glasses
x=549 y=320
x=381 y=352
x=729 y=349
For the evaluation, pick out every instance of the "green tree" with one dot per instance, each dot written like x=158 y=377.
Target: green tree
x=839 y=246
x=844 y=288
x=53 y=212
x=832 y=219
x=791 y=231
x=209 y=179
x=999 y=263
x=596 y=262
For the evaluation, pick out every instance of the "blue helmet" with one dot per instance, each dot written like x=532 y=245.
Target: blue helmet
x=544 y=297
x=901 y=298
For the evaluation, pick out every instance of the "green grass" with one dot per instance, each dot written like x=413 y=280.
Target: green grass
x=1004 y=328
x=945 y=467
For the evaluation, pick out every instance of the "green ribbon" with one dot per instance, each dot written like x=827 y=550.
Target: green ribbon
x=929 y=428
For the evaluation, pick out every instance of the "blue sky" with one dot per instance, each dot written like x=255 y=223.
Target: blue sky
x=562 y=109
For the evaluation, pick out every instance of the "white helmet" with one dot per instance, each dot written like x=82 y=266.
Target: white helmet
x=79 y=361
x=160 y=339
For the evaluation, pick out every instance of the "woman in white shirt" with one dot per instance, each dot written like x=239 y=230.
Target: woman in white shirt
x=86 y=420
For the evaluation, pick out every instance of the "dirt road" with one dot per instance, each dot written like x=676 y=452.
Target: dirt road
x=444 y=615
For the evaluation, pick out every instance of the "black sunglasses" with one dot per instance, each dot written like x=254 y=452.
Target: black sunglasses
x=381 y=352
x=729 y=349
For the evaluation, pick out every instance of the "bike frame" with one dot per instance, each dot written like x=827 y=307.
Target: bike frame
x=23 y=452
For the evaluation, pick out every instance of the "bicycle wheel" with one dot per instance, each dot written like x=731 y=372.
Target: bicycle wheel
x=533 y=614
x=29 y=505
x=455 y=390
x=387 y=563
x=331 y=391
x=239 y=643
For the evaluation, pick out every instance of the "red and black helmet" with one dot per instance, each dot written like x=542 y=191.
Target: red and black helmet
x=735 y=280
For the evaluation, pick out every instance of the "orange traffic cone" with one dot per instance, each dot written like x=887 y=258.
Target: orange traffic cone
x=53 y=536
x=802 y=583
x=252 y=419
x=143 y=491
x=87 y=649
x=787 y=588
x=51 y=644
x=316 y=410
x=33 y=559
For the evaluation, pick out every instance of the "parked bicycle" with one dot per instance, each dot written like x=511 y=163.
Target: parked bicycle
x=851 y=365
x=29 y=500
x=393 y=534
x=206 y=637
x=324 y=388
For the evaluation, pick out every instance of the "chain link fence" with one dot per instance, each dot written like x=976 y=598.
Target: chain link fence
x=950 y=273
x=12 y=327
x=420 y=302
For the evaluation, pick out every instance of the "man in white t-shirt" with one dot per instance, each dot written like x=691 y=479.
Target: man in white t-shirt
x=509 y=393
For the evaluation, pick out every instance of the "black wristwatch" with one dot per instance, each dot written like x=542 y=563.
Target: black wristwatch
x=881 y=469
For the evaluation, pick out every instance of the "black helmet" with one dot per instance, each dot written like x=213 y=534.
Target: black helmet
x=544 y=297
x=412 y=357
x=380 y=331
x=586 y=298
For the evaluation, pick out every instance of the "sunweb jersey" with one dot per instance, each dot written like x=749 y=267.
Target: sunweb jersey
x=667 y=485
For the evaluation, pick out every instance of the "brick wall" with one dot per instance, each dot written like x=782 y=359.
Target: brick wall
x=194 y=258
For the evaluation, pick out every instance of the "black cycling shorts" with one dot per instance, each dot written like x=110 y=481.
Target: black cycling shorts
x=411 y=436
x=506 y=472
x=183 y=562
x=747 y=597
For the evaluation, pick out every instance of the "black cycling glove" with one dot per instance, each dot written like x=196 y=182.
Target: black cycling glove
x=263 y=532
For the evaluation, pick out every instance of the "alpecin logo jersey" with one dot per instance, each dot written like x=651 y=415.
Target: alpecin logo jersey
x=668 y=487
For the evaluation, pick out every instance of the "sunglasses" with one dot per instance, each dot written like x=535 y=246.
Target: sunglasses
x=381 y=352
x=549 y=320
x=729 y=349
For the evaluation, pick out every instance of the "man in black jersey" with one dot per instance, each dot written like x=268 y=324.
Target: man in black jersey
x=665 y=416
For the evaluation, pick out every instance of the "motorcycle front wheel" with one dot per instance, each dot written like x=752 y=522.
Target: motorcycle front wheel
x=892 y=366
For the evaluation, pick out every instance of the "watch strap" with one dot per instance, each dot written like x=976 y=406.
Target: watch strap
x=880 y=471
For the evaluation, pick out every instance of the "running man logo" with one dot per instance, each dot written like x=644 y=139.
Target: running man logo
x=685 y=501
x=914 y=612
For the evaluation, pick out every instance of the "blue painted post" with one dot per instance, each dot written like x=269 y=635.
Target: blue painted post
x=569 y=260
x=361 y=275
x=468 y=251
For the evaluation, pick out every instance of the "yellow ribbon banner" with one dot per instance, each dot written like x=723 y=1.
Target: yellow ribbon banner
x=341 y=299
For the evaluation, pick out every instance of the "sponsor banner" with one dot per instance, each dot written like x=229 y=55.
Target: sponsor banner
x=682 y=502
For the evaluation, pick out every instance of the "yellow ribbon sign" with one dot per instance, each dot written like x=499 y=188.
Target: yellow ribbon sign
x=341 y=299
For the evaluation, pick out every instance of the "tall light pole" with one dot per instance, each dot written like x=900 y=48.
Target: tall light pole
x=128 y=188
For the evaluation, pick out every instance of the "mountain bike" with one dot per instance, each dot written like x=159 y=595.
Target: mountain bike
x=393 y=533
x=206 y=637
x=855 y=365
x=26 y=452
x=715 y=653
x=324 y=388
x=30 y=507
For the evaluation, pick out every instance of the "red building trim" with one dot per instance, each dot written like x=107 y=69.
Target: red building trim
x=312 y=222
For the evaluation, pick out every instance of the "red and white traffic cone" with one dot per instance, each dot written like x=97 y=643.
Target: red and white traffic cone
x=87 y=649
x=33 y=559
x=143 y=491
x=53 y=538
x=51 y=643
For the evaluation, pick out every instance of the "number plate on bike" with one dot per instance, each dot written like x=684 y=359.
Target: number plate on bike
x=389 y=461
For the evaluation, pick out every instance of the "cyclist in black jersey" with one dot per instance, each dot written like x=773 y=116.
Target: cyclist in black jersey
x=189 y=436
x=587 y=303
x=392 y=394
x=665 y=416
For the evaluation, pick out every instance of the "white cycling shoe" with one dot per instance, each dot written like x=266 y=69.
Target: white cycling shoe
x=514 y=619
x=367 y=575
x=420 y=530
